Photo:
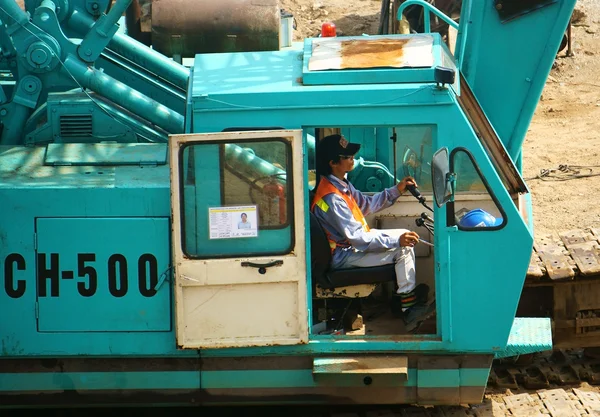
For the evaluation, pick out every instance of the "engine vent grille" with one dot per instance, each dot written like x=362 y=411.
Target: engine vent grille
x=75 y=125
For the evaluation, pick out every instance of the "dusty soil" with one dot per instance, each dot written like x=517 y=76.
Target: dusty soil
x=351 y=17
x=565 y=129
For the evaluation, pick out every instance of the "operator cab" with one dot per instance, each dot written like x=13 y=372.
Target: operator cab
x=270 y=282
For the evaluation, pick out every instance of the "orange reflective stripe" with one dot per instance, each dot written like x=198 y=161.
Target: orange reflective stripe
x=325 y=188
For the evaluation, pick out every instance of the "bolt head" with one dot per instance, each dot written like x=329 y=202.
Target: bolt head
x=39 y=56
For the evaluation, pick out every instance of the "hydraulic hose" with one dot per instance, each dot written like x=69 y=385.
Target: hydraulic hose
x=137 y=52
x=10 y=13
x=125 y=96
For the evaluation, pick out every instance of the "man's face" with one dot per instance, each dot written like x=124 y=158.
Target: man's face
x=244 y=217
x=346 y=163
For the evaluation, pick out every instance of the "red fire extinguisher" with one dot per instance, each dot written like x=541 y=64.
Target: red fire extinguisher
x=276 y=191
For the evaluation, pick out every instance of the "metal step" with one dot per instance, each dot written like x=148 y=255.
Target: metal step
x=362 y=365
x=528 y=335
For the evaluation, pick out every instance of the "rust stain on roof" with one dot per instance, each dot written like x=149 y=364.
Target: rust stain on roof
x=372 y=53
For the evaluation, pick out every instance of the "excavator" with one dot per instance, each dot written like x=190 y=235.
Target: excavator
x=157 y=244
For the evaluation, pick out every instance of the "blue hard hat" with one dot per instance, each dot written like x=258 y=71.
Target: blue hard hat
x=479 y=218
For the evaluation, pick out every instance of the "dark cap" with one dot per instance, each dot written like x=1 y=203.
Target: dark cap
x=333 y=145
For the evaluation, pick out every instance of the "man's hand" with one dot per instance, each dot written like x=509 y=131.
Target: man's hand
x=404 y=183
x=409 y=239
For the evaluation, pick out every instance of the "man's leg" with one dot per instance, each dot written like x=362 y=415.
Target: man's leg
x=405 y=264
x=403 y=258
x=412 y=297
x=408 y=294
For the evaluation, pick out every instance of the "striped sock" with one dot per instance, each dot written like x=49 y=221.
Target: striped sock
x=408 y=299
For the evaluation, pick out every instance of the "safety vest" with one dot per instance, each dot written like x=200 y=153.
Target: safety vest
x=324 y=188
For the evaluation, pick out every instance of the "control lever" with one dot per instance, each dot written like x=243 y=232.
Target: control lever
x=421 y=223
x=417 y=194
x=425 y=217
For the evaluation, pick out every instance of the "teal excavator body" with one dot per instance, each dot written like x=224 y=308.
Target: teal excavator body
x=125 y=276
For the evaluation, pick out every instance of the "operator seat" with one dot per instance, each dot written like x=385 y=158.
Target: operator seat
x=341 y=283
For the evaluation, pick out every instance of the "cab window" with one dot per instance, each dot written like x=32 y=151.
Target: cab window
x=236 y=198
x=475 y=205
x=414 y=148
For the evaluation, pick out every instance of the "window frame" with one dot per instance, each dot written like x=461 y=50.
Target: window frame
x=450 y=208
x=290 y=201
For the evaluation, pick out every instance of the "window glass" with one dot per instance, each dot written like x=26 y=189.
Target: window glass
x=237 y=198
x=475 y=206
x=414 y=152
x=379 y=156
x=470 y=180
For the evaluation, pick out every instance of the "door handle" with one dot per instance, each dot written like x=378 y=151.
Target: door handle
x=262 y=268
x=163 y=277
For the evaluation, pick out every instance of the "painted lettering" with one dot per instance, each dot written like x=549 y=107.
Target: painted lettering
x=13 y=262
x=49 y=275
x=44 y=274
x=88 y=271
x=117 y=289
x=147 y=265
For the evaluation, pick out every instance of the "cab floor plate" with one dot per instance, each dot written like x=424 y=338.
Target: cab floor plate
x=397 y=365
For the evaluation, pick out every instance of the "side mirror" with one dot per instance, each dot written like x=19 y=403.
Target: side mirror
x=410 y=164
x=442 y=178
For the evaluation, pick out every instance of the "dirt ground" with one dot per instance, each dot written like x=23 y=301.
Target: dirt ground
x=565 y=129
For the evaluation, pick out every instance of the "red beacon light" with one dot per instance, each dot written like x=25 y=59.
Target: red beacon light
x=328 y=30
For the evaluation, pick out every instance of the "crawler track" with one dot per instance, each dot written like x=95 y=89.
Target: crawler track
x=557 y=384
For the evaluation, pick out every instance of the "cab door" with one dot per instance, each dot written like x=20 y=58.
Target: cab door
x=238 y=239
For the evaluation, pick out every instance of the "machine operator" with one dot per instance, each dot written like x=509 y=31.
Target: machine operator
x=340 y=209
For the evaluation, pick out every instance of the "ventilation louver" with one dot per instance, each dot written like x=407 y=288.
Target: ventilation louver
x=75 y=125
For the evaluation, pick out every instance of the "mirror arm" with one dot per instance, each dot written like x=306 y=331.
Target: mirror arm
x=451 y=178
